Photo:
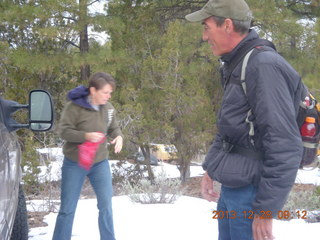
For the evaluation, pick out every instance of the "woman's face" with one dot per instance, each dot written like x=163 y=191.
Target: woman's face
x=101 y=96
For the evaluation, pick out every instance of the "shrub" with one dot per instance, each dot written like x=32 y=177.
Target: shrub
x=124 y=173
x=162 y=190
x=305 y=200
x=30 y=164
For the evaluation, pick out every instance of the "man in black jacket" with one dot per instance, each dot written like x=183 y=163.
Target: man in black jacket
x=256 y=165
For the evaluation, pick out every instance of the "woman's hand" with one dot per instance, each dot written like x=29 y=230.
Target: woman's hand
x=94 y=136
x=118 y=141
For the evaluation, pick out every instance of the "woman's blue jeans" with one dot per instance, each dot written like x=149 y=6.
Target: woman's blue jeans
x=237 y=224
x=72 y=181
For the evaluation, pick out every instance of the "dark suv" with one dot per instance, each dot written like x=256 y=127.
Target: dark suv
x=13 y=213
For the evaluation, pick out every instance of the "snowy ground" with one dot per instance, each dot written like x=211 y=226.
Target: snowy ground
x=188 y=218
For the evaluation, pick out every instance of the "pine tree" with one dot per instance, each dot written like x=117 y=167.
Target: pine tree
x=165 y=79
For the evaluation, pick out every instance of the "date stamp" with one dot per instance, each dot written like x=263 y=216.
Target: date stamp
x=282 y=214
x=287 y=215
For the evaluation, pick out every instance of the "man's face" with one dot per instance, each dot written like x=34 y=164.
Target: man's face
x=217 y=37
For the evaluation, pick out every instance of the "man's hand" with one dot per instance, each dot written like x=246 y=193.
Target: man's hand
x=262 y=228
x=207 y=188
x=118 y=141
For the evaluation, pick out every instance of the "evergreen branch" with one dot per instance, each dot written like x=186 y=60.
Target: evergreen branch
x=69 y=42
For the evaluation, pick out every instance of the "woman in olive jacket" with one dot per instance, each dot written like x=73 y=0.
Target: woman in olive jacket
x=88 y=117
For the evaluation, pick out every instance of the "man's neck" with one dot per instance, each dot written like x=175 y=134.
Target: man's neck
x=236 y=39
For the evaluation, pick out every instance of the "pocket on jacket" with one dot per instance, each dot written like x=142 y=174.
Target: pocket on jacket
x=235 y=170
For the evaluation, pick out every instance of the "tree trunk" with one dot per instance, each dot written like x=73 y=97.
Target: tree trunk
x=184 y=168
x=84 y=40
x=146 y=153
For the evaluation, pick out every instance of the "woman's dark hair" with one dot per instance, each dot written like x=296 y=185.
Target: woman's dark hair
x=99 y=79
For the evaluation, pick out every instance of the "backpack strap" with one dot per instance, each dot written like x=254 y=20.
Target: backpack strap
x=243 y=55
x=244 y=87
x=243 y=50
x=243 y=71
x=231 y=148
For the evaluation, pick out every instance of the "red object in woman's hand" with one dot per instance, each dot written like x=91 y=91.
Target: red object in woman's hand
x=87 y=153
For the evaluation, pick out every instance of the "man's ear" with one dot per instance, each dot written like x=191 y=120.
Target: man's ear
x=228 y=25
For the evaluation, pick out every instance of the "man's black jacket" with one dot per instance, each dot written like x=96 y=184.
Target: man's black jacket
x=273 y=90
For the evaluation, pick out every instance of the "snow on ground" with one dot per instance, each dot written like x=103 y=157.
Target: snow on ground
x=55 y=156
x=188 y=218
x=309 y=176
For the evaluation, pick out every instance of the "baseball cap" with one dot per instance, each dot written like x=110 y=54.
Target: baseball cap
x=234 y=9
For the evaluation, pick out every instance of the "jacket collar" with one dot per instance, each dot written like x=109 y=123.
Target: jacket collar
x=226 y=58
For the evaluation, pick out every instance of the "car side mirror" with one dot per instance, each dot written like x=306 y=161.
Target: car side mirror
x=40 y=110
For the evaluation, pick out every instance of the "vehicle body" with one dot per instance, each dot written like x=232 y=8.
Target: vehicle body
x=164 y=152
x=138 y=157
x=13 y=214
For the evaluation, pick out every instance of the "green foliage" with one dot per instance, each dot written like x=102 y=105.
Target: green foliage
x=164 y=76
x=185 y=84
x=46 y=38
x=317 y=191
x=30 y=164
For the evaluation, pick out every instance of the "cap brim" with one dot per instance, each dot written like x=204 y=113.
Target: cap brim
x=198 y=16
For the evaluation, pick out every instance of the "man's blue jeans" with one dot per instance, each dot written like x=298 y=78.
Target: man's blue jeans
x=72 y=180
x=237 y=224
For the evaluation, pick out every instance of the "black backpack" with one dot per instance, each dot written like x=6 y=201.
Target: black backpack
x=310 y=109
